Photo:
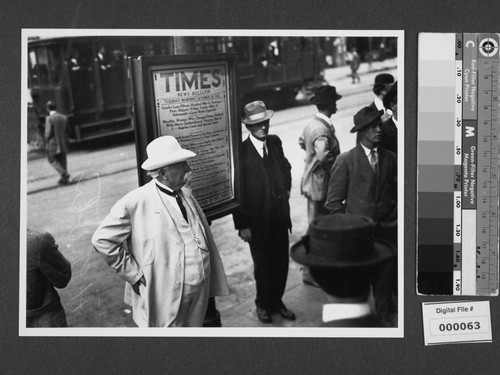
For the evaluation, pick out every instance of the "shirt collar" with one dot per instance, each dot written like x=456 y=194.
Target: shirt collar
x=339 y=311
x=258 y=144
x=51 y=113
x=367 y=150
x=163 y=185
x=322 y=116
x=395 y=122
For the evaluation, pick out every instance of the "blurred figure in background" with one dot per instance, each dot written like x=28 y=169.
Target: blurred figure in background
x=57 y=141
x=354 y=64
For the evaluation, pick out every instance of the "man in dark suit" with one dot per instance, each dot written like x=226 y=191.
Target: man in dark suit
x=263 y=219
x=56 y=141
x=363 y=182
x=46 y=270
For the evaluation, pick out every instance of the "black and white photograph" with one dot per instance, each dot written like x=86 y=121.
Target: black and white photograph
x=234 y=183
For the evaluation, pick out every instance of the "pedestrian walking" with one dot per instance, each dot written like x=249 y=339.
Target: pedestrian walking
x=263 y=218
x=354 y=63
x=46 y=269
x=57 y=142
x=158 y=240
x=321 y=146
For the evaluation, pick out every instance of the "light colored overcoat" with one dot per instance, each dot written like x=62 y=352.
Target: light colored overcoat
x=139 y=237
x=314 y=181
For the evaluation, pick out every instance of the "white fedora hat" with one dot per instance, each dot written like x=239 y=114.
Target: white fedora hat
x=164 y=151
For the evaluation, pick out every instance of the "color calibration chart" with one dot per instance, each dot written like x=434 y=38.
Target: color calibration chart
x=458 y=164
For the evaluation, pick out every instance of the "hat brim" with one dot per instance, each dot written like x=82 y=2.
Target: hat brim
x=314 y=100
x=383 y=252
x=367 y=121
x=181 y=156
x=268 y=115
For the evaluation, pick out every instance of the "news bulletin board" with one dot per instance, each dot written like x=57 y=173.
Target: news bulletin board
x=192 y=97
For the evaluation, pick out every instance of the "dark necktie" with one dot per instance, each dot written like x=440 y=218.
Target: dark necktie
x=264 y=152
x=177 y=198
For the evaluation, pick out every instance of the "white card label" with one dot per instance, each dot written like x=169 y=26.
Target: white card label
x=456 y=322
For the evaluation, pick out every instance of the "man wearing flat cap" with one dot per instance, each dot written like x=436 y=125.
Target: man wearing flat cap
x=158 y=240
x=363 y=182
x=321 y=145
x=343 y=258
x=263 y=218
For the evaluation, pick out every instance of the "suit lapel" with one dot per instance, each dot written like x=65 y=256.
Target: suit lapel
x=365 y=166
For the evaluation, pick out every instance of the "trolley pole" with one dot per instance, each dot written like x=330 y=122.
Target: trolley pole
x=185 y=45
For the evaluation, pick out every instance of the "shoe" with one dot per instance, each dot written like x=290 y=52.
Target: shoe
x=264 y=316
x=63 y=181
x=286 y=314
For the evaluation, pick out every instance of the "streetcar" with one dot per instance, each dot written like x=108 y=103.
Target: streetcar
x=87 y=76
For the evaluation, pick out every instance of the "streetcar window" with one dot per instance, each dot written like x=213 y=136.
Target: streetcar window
x=46 y=66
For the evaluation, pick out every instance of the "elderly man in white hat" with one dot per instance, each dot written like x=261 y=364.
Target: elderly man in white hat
x=158 y=240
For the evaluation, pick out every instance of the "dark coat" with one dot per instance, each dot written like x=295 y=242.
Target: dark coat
x=255 y=209
x=353 y=188
x=46 y=269
x=389 y=136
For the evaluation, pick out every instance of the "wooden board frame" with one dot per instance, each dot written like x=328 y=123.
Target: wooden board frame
x=213 y=77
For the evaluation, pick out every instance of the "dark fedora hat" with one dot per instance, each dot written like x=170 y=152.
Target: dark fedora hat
x=383 y=79
x=391 y=96
x=341 y=241
x=256 y=112
x=325 y=94
x=364 y=117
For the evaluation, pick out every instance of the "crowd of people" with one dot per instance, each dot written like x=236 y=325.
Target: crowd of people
x=159 y=241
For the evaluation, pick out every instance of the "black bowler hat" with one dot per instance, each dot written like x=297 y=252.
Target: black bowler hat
x=383 y=79
x=341 y=241
x=325 y=95
x=391 y=96
x=364 y=117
